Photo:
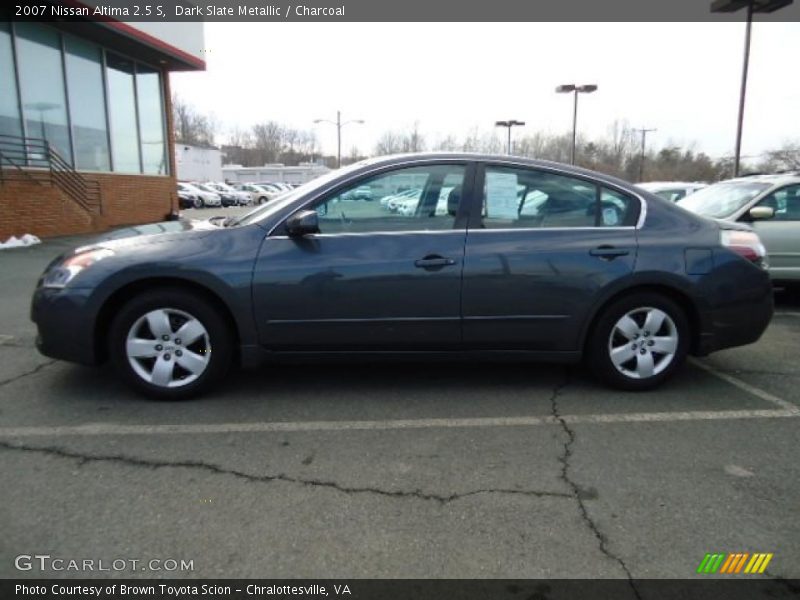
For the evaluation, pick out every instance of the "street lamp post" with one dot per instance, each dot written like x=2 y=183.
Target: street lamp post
x=509 y=124
x=339 y=124
x=644 y=133
x=752 y=6
x=575 y=90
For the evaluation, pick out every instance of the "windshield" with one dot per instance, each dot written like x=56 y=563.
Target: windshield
x=721 y=200
x=287 y=198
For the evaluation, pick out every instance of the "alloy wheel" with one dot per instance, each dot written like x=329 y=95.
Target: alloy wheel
x=168 y=347
x=643 y=342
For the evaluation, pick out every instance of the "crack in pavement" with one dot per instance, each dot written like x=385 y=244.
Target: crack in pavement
x=218 y=470
x=577 y=492
x=33 y=371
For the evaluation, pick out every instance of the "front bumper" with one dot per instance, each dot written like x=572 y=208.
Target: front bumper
x=65 y=325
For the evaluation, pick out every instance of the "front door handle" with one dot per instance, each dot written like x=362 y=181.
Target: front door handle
x=434 y=261
x=608 y=252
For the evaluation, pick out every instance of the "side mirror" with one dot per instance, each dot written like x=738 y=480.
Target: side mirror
x=302 y=223
x=761 y=213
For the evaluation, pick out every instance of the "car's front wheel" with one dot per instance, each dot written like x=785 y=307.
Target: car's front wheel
x=639 y=341
x=170 y=344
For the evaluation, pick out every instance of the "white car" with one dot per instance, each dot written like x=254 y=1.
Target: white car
x=258 y=193
x=274 y=187
x=396 y=196
x=208 y=198
x=671 y=190
x=397 y=200
x=243 y=198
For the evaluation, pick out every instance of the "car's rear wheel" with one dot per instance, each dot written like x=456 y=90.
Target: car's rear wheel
x=639 y=341
x=161 y=342
x=197 y=202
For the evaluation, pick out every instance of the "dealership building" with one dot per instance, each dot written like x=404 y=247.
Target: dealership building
x=85 y=116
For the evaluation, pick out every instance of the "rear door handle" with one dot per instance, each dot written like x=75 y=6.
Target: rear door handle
x=433 y=261
x=608 y=252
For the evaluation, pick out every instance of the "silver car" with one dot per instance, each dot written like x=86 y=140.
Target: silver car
x=770 y=204
x=672 y=190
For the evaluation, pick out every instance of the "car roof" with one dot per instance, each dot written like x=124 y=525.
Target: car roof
x=510 y=159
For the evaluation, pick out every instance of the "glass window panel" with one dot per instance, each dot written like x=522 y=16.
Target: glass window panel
x=411 y=199
x=785 y=202
x=528 y=198
x=122 y=114
x=617 y=209
x=86 y=105
x=151 y=120
x=42 y=81
x=10 y=123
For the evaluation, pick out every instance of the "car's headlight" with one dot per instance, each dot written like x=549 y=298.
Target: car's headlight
x=62 y=274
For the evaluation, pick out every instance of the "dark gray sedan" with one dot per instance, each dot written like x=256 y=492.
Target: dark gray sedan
x=496 y=257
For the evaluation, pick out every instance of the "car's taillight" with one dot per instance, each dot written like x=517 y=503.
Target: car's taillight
x=746 y=244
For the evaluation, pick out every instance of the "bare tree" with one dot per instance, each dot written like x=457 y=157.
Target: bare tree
x=190 y=126
x=785 y=158
x=389 y=143
x=268 y=141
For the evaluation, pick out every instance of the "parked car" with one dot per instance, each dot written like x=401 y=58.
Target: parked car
x=226 y=198
x=243 y=198
x=507 y=266
x=274 y=187
x=390 y=200
x=259 y=194
x=770 y=204
x=671 y=190
x=363 y=192
x=188 y=200
x=207 y=197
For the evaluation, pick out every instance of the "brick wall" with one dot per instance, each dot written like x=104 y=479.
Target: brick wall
x=43 y=210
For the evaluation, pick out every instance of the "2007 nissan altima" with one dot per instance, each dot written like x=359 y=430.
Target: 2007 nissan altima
x=478 y=256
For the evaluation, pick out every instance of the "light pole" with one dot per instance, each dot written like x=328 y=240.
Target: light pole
x=339 y=124
x=575 y=90
x=752 y=6
x=644 y=133
x=509 y=124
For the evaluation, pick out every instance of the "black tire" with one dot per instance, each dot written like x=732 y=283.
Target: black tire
x=179 y=303
x=198 y=202
x=598 y=350
x=263 y=200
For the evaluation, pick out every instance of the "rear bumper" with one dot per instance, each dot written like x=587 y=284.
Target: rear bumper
x=739 y=318
x=65 y=326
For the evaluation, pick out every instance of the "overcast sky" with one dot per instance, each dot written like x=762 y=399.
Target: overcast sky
x=681 y=78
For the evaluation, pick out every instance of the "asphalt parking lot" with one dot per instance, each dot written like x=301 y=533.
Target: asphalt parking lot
x=399 y=470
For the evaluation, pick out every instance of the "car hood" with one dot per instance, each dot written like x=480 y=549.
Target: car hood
x=152 y=233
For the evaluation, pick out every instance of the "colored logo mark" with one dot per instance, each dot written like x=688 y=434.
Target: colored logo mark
x=735 y=563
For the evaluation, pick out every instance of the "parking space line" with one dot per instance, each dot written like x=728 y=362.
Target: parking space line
x=99 y=429
x=750 y=389
x=780 y=313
